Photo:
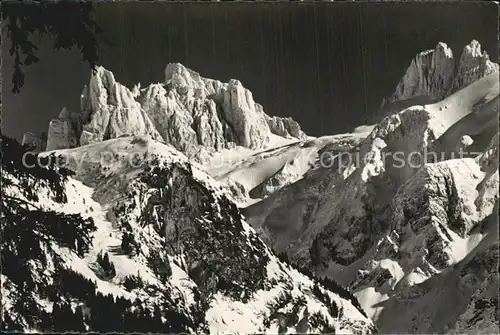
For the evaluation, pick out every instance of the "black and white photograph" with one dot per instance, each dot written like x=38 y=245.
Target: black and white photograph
x=233 y=167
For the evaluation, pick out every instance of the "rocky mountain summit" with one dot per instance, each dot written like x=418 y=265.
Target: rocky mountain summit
x=435 y=74
x=198 y=116
x=156 y=246
x=411 y=218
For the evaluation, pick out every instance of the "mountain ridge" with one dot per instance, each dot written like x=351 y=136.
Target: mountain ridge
x=198 y=116
x=145 y=164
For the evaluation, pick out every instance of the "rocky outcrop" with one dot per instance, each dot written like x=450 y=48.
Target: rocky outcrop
x=465 y=142
x=436 y=209
x=244 y=116
x=34 y=141
x=109 y=110
x=468 y=289
x=482 y=312
x=429 y=74
x=229 y=111
x=435 y=74
x=62 y=132
x=198 y=116
x=178 y=254
x=473 y=65
x=285 y=127
x=400 y=223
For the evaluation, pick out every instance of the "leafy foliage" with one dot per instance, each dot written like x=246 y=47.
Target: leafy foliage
x=45 y=292
x=27 y=233
x=280 y=311
x=64 y=319
x=70 y=284
x=325 y=299
x=129 y=245
x=317 y=320
x=275 y=306
x=69 y=23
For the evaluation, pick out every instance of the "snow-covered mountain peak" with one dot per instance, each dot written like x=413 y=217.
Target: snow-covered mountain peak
x=474 y=64
x=187 y=81
x=443 y=49
x=144 y=234
x=198 y=116
x=434 y=74
x=473 y=49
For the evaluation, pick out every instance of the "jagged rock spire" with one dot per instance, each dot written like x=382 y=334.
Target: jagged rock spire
x=62 y=131
x=196 y=115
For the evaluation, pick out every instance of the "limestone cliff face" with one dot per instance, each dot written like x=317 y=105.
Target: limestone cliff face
x=224 y=111
x=285 y=127
x=62 y=131
x=435 y=74
x=197 y=116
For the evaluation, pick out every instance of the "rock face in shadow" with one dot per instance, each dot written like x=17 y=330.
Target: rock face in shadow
x=434 y=74
x=62 y=132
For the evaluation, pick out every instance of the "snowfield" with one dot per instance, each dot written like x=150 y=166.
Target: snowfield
x=111 y=180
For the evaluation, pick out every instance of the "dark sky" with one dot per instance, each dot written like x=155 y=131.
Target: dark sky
x=326 y=65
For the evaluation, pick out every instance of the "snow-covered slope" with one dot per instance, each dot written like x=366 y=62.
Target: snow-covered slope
x=404 y=213
x=149 y=244
x=435 y=74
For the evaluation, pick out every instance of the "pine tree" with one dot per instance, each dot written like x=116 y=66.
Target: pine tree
x=69 y=23
x=63 y=317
